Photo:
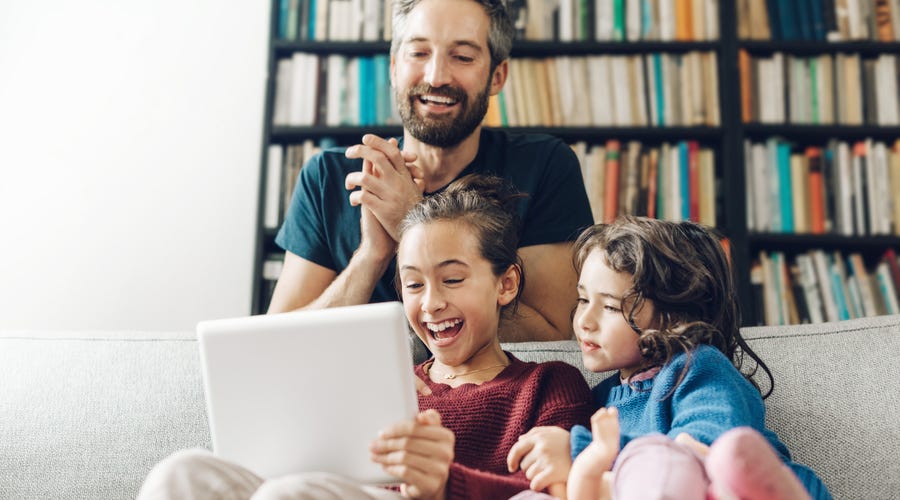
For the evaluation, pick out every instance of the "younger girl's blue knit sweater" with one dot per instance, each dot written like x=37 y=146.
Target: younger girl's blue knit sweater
x=712 y=398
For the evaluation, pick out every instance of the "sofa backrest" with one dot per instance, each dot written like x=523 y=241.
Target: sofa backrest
x=86 y=415
x=835 y=403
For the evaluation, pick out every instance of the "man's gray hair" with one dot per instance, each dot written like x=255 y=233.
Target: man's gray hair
x=500 y=34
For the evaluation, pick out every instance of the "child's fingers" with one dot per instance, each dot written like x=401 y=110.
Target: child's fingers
x=604 y=422
x=518 y=451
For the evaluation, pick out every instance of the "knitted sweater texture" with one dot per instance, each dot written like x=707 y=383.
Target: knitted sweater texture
x=488 y=419
x=712 y=398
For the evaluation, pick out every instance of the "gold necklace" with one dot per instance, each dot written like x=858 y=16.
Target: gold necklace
x=451 y=376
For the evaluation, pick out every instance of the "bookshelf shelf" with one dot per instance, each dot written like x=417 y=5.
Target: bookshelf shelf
x=785 y=241
x=726 y=140
x=292 y=134
x=863 y=47
x=284 y=48
x=527 y=48
x=820 y=133
x=521 y=48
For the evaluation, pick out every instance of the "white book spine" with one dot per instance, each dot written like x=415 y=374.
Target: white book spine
x=666 y=20
x=621 y=91
x=273 y=186
x=845 y=187
x=281 y=112
x=820 y=260
x=603 y=20
x=598 y=91
x=810 y=287
x=886 y=286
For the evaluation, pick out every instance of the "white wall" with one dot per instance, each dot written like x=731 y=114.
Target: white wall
x=129 y=154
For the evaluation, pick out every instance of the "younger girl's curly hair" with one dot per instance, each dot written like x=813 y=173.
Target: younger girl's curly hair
x=682 y=270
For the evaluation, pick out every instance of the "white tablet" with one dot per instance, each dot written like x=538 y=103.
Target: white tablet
x=307 y=391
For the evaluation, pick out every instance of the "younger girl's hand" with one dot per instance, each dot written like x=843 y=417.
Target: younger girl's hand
x=544 y=453
x=419 y=453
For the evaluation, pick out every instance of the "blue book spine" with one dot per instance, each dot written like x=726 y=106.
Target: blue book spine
x=366 y=91
x=685 y=180
x=660 y=93
x=804 y=19
x=837 y=288
x=283 y=9
x=774 y=22
x=787 y=15
x=784 y=187
x=382 y=88
x=817 y=11
x=646 y=19
x=311 y=30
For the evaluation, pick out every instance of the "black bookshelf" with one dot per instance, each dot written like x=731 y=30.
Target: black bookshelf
x=726 y=140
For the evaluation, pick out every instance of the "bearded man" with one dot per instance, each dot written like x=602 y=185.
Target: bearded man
x=447 y=58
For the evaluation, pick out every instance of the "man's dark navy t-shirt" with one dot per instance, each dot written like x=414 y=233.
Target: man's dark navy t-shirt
x=321 y=226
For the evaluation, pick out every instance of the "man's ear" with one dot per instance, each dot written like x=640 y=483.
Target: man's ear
x=509 y=284
x=498 y=77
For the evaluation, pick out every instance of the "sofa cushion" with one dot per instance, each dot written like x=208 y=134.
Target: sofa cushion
x=86 y=415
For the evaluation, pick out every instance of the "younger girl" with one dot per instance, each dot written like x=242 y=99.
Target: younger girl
x=657 y=304
x=458 y=270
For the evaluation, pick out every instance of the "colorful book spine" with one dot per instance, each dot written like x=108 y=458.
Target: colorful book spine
x=611 y=200
x=784 y=186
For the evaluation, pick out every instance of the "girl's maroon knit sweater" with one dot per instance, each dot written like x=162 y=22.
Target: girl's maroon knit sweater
x=488 y=419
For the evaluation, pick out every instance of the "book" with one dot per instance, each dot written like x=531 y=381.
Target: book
x=889 y=292
x=597 y=182
x=757 y=290
x=809 y=284
x=707 y=187
x=273 y=202
x=839 y=286
x=653 y=182
x=785 y=189
x=800 y=193
x=816 y=189
x=611 y=198
x=883 y=23
x=693 y=191
x=860 y=276
x=894 y=174
x=823 y=277
x=889 y=258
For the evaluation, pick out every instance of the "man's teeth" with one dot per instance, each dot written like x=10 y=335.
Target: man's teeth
x=440 y=327
x=437 y=99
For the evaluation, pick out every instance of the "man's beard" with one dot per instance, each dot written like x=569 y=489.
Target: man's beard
x=444 y=131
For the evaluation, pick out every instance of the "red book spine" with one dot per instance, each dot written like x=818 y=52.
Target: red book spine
x=816 y=190
x=694 y=179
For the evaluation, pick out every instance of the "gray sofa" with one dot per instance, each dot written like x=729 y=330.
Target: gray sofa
x=86 y=415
